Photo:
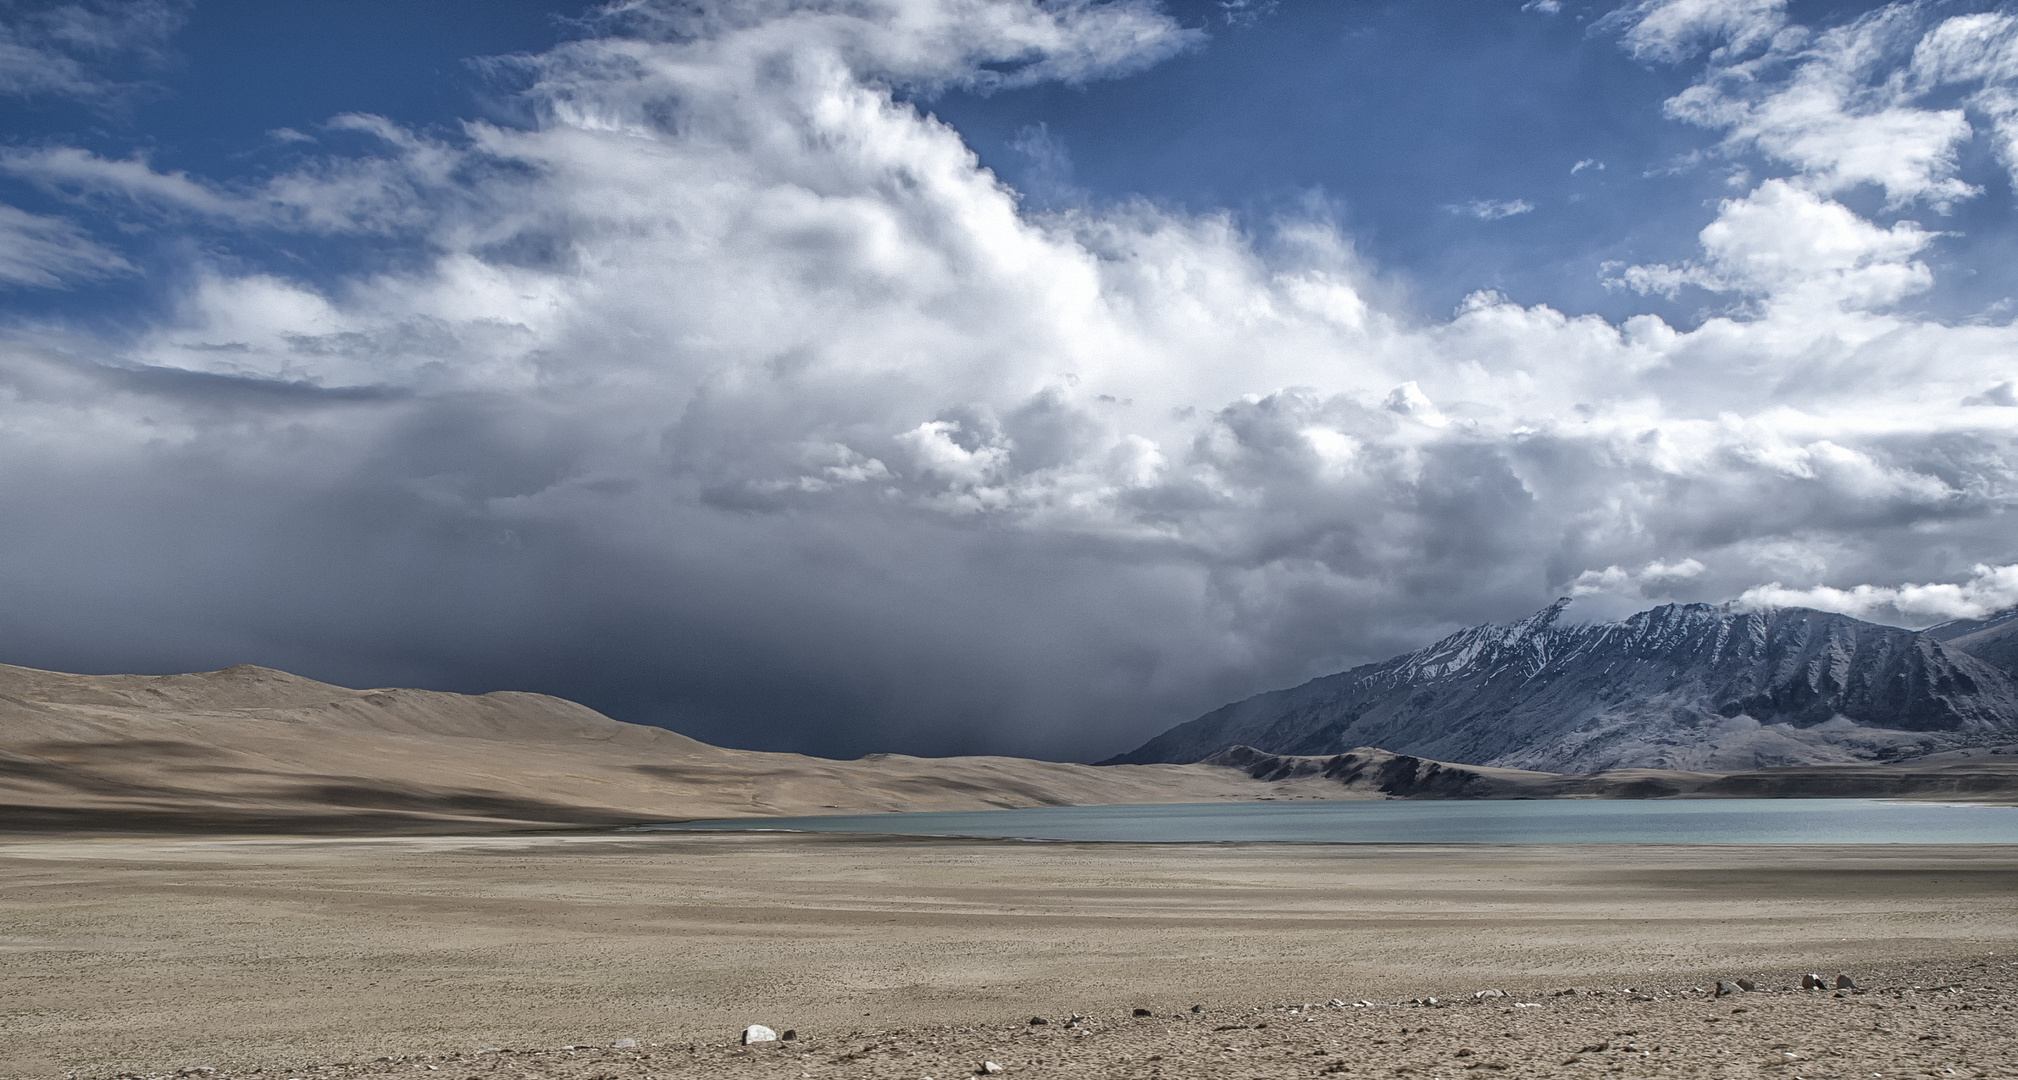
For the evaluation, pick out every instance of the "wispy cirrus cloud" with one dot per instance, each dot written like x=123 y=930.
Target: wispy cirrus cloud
x=1493 y=209
x=76 y=50
x=46 y=252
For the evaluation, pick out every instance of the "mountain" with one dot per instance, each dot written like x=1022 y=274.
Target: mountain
x=1993 y=640
x=1684 y=686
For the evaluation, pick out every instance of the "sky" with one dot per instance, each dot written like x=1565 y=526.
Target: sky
x=985 y=376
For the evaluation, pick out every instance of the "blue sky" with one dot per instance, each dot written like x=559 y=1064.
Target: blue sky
x=1011 y=375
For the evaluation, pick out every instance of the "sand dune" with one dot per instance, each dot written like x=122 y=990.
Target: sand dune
x=250 y=748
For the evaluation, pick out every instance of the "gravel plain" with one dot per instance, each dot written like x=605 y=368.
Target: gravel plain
x=528 y=956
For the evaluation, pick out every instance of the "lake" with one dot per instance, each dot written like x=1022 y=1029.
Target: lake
x=1578 y=821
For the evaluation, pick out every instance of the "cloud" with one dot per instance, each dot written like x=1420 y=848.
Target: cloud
x=1493 y=209
x=1788 y=244
x=1883 y=100
x=1048 y=180
x=2003 y=394
x=1246 y=12
x=407 y=187
x=1587 y=163
x=1988 y=590
x=63 y=50
x=49 y=252
x=1674 y=30
x=732 y=392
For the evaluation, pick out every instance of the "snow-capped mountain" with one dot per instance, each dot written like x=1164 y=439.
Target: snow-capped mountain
x=1684 y=686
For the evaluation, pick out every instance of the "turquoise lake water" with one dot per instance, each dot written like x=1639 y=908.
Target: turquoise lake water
x=1687 y=821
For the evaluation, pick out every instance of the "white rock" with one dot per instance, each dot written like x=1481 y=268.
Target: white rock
x=1490 y=994
x=624 y=1044
x=757 y=1033
x=990 y=1068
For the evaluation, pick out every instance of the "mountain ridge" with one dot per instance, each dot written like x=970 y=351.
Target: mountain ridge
x=1680 y=686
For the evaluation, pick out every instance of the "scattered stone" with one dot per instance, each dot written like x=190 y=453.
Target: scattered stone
x=1490 y=994
x=1038 y=1021
x=1201 y=1008
x=1844 y=982
x=990 y=1068
x=789 y=1034
x=1747 y=985
x=1462 y=1053
x=757 y=1033
x=1813 y=982
x=1142 y=1012
x=1726 y=987
x=627 y=1044
x=1336 y=1003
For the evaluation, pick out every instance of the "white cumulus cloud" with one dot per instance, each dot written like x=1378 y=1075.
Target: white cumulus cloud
x=1988 y=590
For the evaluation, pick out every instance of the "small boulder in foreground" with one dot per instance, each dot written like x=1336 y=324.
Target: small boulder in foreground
x=757 y=1033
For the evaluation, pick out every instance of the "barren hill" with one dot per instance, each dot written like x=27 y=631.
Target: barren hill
x=254 y=748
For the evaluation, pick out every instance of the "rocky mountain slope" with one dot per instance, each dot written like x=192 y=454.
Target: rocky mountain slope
x=1686 y=687
x=1993 y=640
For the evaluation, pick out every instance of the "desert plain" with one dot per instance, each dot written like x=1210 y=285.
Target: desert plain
x=248 y=874
x=532 y=954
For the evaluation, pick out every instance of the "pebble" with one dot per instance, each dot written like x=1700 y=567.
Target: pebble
x=757 y=1033
x=990 y=1067
x=1813 y=982
x=624 y=1044
x=1844 y=982
x=1726 y=987
x=1490 y=994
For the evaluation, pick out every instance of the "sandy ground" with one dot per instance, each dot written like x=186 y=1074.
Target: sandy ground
x=914 y=958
